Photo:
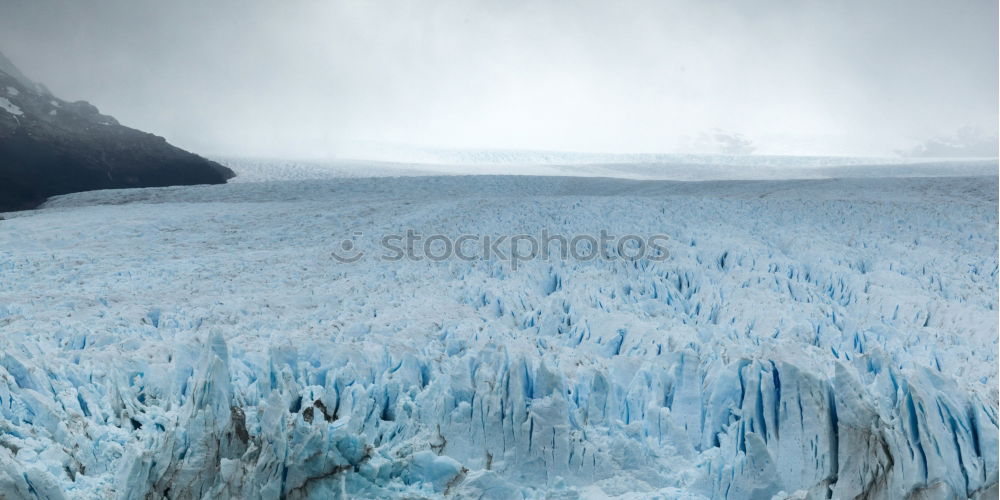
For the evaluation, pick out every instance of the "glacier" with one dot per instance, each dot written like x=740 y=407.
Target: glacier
x=806 y=338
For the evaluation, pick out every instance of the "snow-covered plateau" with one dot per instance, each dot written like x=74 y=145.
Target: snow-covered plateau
x=809 y=338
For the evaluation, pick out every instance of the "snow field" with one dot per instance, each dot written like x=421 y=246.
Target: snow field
x=816 y=337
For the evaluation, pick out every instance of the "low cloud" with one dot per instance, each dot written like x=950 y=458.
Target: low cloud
x=967 y=142
x=718 y=141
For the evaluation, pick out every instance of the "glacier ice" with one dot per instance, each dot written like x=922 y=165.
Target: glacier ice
x=805 y=339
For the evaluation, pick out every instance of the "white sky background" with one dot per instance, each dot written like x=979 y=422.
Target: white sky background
x=311 y=78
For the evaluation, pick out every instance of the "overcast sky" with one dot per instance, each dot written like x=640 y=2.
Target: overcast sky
x=311 y=78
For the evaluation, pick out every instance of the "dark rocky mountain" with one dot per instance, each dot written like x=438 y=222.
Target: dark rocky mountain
x=49 y=147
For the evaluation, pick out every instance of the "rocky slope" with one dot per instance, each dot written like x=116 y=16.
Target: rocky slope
x=49 y=147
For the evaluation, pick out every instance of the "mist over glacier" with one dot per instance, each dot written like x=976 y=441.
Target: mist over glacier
x=314 y=79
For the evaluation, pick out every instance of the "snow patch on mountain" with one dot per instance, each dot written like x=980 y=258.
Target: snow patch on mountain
x=10 y=107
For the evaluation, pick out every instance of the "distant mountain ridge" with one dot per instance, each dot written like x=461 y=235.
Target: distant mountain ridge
x=49 y=147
